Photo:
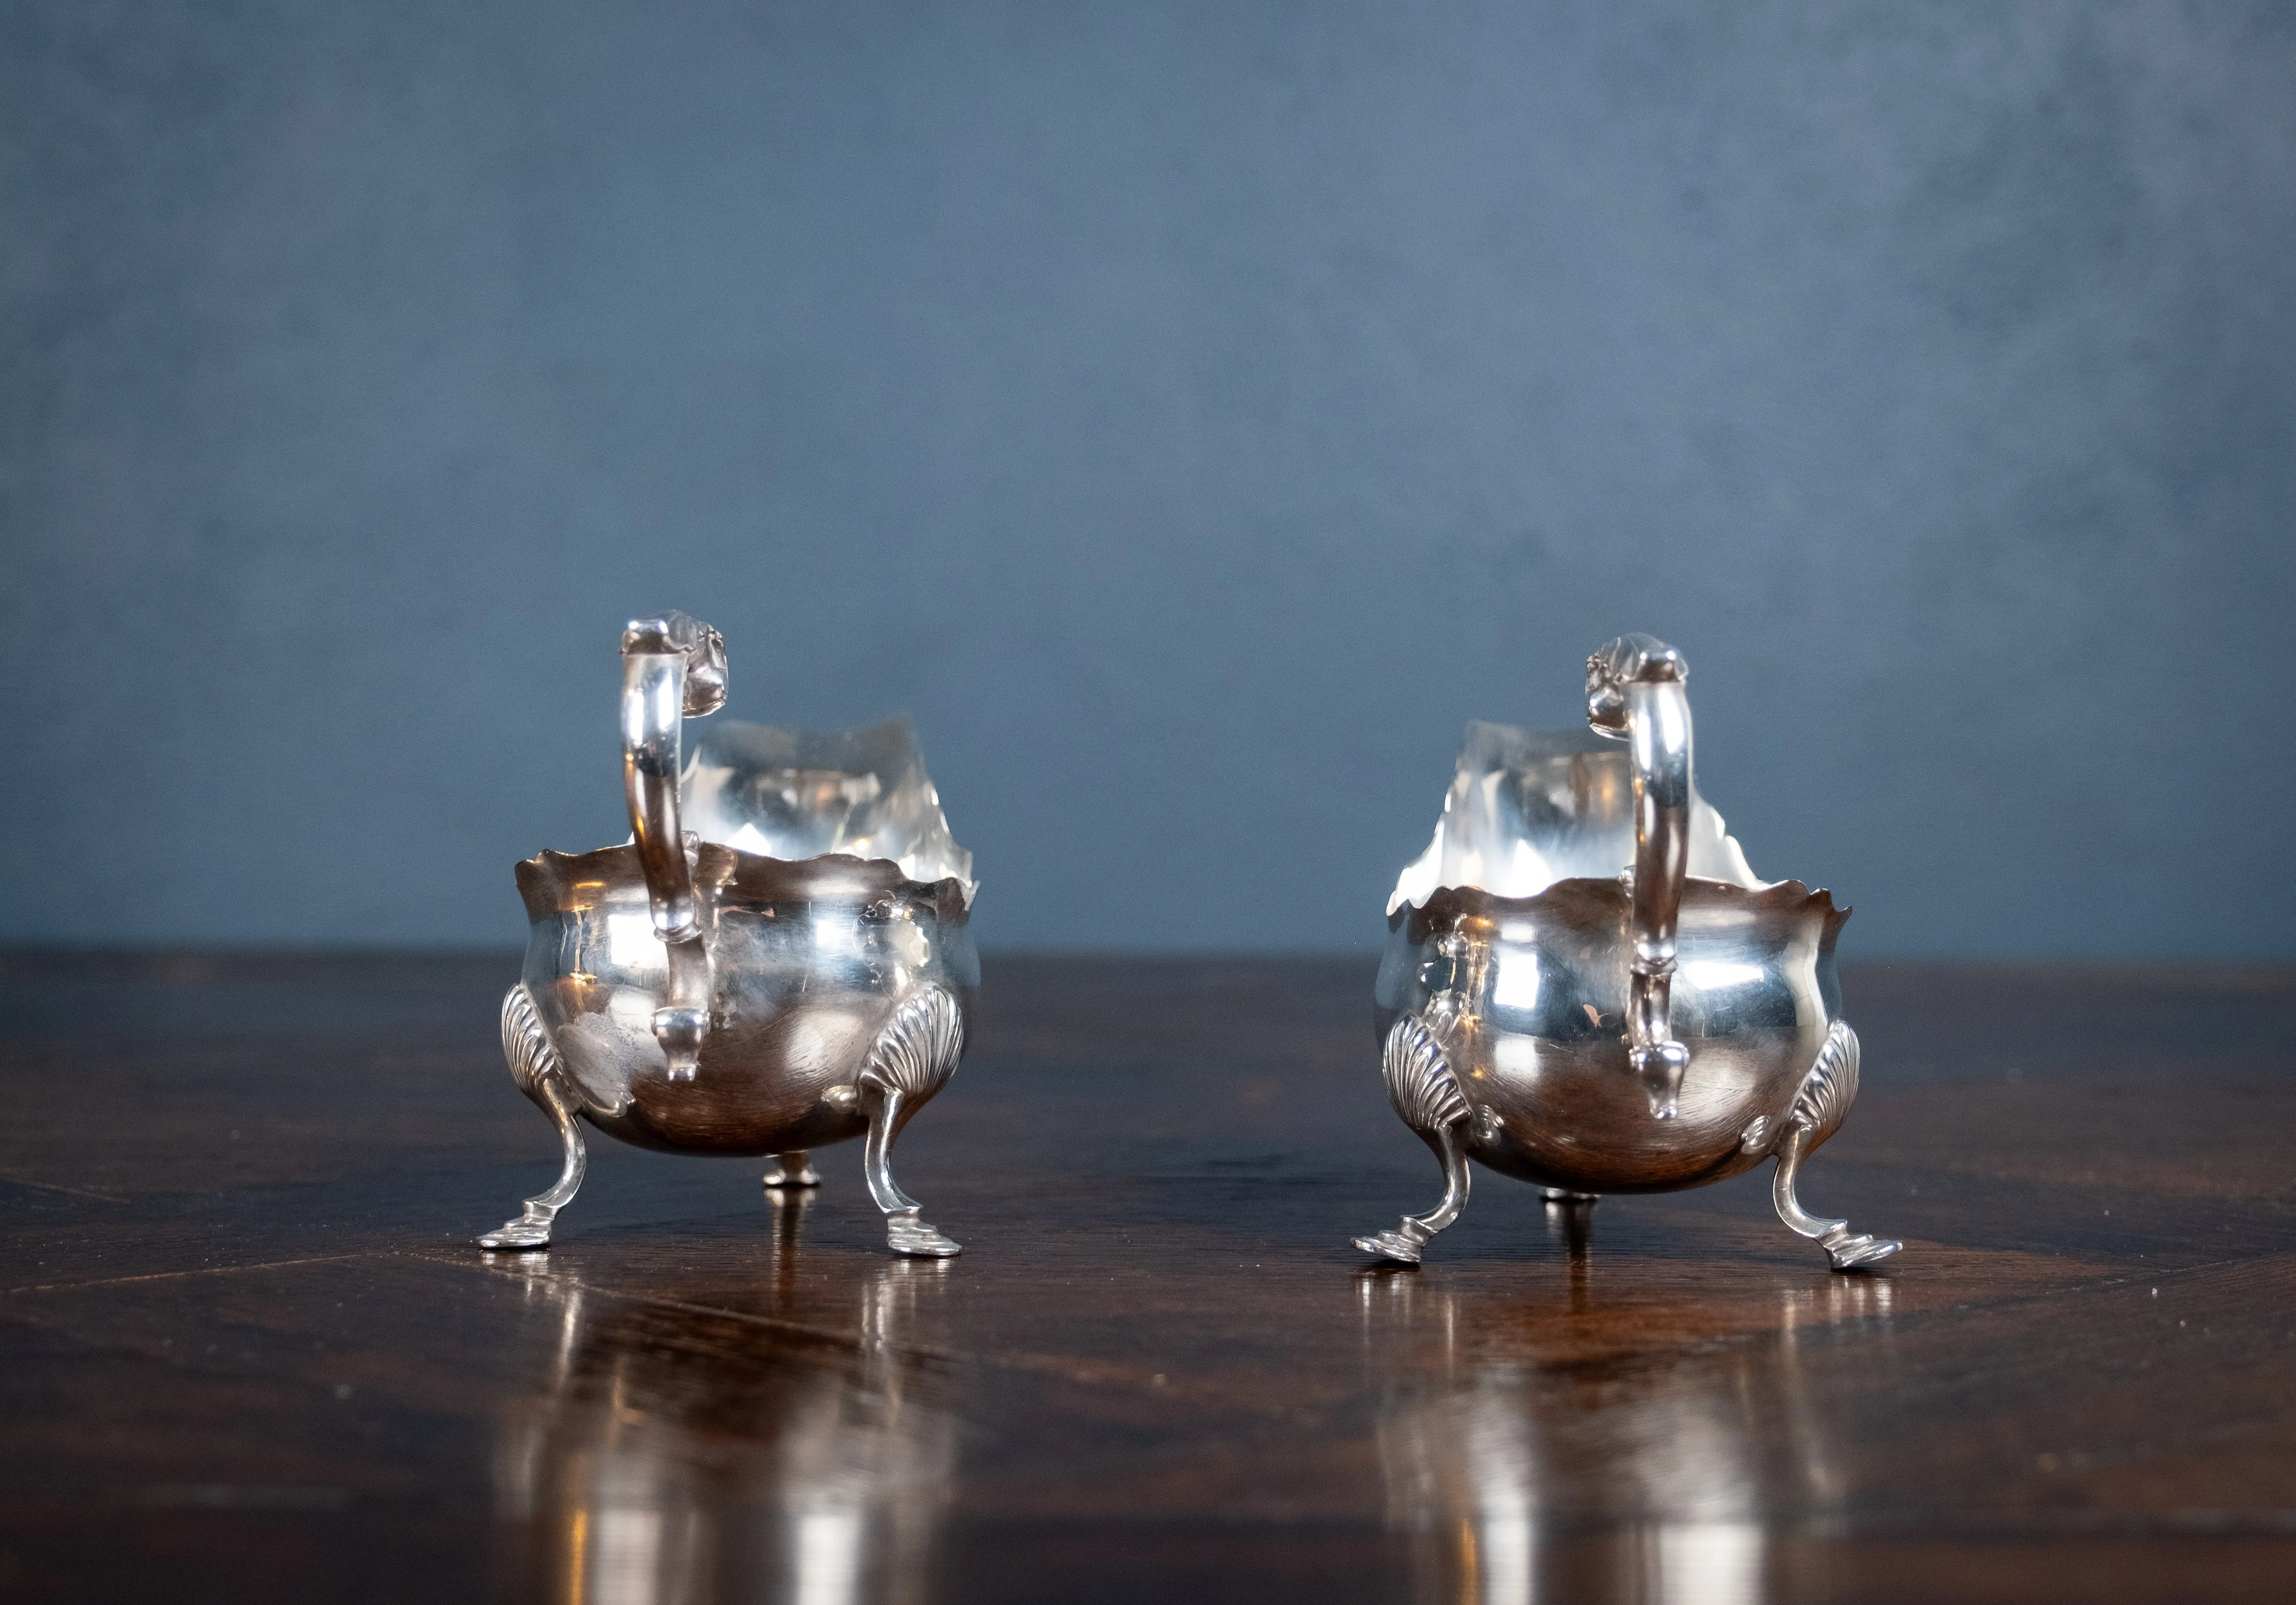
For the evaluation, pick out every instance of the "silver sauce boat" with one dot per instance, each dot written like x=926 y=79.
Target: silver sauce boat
x=1584 y=986
x=776 y=960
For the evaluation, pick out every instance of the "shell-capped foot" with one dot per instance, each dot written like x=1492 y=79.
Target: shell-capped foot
x=541 y=1074
x=907 y=1232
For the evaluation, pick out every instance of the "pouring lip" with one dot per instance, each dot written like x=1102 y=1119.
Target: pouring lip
x=1558 y=901
x=554 y=883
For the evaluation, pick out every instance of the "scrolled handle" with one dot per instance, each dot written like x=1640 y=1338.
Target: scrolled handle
x=1637 y=691
x=673 y=668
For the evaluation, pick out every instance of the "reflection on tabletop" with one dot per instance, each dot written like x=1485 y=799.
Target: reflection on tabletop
x=1627 y=1477
x=670 y=1455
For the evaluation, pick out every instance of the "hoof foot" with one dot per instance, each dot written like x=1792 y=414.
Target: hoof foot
x=1563 y=1195
x=517 y=1234
x=906 y=1234
x=1848 y=1253
x=1391 y=1245
x=804 y=1175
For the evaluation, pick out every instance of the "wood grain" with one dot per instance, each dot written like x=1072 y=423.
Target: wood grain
x=248 y=1352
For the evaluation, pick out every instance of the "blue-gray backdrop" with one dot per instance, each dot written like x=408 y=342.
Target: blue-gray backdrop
x=1191 y=413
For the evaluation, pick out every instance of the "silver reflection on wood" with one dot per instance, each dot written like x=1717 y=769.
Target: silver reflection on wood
x=1587 y=989
x=796 y=972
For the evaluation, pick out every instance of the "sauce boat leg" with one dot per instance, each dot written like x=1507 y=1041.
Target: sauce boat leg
x=906 y=1231
x=1822 y=1105
x=912 y=1059
x=1424 y=1092
x=541 y=1075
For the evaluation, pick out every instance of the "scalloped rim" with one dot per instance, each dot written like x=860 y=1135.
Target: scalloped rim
x=1785 y=893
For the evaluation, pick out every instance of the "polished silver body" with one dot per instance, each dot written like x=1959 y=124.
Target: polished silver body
x=1640 y=1031
x=691 y=995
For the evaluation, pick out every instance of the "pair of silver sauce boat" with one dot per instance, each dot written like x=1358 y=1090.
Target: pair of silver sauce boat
x=1584 y=986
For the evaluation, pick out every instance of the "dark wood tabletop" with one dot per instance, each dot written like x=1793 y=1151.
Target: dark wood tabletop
x=250 y=1352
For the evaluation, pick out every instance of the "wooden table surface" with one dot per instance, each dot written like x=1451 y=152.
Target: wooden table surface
x=248 y=1352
